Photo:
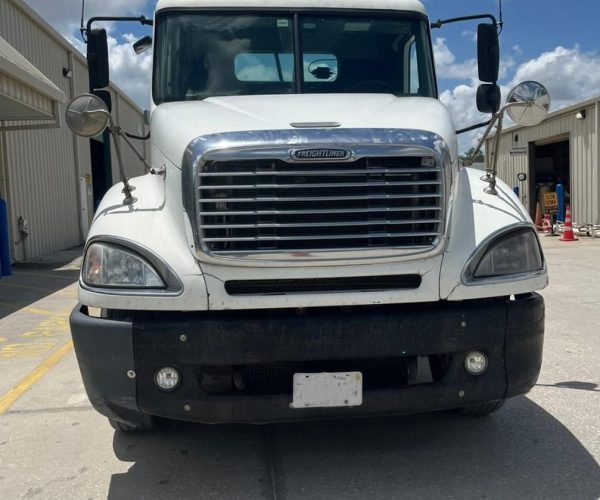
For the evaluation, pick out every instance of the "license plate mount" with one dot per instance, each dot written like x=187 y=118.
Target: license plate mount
x=327 y=390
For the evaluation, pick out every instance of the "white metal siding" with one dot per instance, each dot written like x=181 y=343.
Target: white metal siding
x=132 y=122
x=583 y=150
x=44 y=167
x=25 y=94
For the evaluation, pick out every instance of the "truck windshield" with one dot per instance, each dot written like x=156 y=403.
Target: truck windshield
x=205 y=55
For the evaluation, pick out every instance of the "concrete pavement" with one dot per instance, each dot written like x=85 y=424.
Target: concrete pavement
x=542 y=446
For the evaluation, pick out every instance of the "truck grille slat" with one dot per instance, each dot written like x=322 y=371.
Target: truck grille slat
x=322 y=172
x=322 y=237
x=304 y=250
x=322 y=198
x=327 y=211
x=319 y=224
x=378 y=202
x=324 y=185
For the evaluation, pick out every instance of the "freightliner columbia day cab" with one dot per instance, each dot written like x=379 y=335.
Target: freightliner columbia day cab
x=305 y=244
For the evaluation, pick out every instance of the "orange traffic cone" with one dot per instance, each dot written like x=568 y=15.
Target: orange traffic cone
x=538 y=217
x=568 y=232
x=547 y=224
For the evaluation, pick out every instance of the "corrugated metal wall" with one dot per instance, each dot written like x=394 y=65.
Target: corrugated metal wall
x=45 y=168
x=132 y=123
x=583 y=157
x=25 y=94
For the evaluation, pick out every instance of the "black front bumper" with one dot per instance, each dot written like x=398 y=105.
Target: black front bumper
x=118 y=358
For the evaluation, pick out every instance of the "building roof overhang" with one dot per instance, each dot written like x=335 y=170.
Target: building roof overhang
x=25 y=92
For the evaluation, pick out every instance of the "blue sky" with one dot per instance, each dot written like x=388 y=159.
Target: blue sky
x=551 y=41
x=535 y=26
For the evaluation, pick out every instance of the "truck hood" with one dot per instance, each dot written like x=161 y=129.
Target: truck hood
x=175 y=125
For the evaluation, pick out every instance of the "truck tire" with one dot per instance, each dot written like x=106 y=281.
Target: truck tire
x=482 y=409
x=146 y=423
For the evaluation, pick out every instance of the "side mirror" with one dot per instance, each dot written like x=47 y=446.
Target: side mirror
x=142 y=45
x=488 y=98
x=534 y=100
x=87 y=115
x=488 y=53
x=97 y=57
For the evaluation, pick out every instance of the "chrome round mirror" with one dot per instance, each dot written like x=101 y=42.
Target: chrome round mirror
x=536 y=103
x=87 y=115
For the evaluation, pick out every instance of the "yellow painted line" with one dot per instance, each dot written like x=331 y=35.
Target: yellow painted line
x=37 y=373
x=35 y=310
x=26 y=350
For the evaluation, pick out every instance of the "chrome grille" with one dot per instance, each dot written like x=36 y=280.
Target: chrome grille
x=270 y=205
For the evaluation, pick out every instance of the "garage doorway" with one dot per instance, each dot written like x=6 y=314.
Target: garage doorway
x=549 y=165
x=101 y=166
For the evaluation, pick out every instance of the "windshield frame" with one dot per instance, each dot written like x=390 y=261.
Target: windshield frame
x=296 y=13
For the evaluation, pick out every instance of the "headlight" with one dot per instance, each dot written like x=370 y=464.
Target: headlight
x=517 y=252
x=111 y=266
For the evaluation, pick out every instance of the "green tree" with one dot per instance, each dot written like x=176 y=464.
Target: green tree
x=469 y=157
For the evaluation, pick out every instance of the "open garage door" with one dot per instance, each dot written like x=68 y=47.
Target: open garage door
x=549 y=165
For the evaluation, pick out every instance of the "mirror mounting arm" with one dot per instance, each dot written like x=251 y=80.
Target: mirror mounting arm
x=141 y=19
x=440 y=22
x=125 y=136
x=497 y=119
x=115 y=131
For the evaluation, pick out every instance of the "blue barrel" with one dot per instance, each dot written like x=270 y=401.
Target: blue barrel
x=560 y=194
x=4 y=241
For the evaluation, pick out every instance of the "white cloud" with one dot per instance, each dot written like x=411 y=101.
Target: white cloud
x=569 y=74
x=65 y=15
x=446 y=65
x=131 y=72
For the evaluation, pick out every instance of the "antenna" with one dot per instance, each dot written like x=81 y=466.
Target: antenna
x=500 y=22
x=81 y=28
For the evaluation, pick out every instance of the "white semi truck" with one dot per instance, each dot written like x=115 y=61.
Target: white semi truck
x=305 y=244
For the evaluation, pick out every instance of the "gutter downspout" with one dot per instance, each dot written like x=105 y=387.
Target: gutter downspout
x=76 y=165
x=597 y=110
x=5 y=192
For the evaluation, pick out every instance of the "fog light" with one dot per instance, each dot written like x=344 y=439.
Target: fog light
x=167 y=378
x=476 y=363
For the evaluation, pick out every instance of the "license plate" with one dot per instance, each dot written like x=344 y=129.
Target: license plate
x=326 y=390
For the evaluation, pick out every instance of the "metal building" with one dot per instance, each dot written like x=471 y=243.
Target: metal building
x=564 y=148
x=50 y=179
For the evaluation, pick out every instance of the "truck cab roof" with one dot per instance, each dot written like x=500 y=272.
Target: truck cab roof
x=399 y=5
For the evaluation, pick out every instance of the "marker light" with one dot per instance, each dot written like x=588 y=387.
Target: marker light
x=476 y=363
x=167 y=378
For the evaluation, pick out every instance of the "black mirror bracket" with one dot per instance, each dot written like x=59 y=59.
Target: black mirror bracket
x=440 y=22
x=97 y=49
x=141 y=19
x=497 y=120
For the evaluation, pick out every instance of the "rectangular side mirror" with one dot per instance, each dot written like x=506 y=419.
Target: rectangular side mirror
x=142 y=45
x=488 y=53
x=97 y=57
x=488 y=98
